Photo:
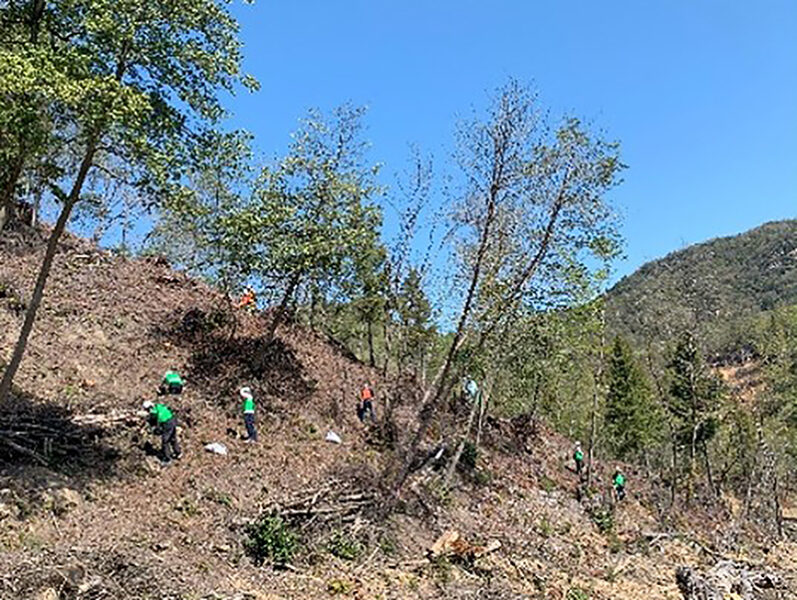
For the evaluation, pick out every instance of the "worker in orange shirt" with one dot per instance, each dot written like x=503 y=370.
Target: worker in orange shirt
x=366 y=403
x=248 y=300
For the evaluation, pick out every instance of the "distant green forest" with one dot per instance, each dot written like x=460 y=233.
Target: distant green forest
x=713 y=289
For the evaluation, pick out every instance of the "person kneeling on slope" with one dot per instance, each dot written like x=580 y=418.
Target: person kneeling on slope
x=249 y=414
x=164 y=422
x=172 y=384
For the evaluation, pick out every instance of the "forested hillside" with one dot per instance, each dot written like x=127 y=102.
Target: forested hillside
x=91 y=514
x=438 y=397
x=710 y=288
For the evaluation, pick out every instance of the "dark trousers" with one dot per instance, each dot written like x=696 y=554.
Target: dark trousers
x=579 y=466
x=169 y=440
x=174 y=389
x=620 y=491
x=367 y=406
x=249 y=421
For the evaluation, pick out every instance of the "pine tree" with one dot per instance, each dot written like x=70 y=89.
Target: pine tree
x=694 y=397
x=630 y=417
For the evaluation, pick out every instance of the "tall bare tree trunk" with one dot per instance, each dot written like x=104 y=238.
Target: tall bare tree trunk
x=709 y=473
x=282 y=309
x=596 y=391
x=7 y=198
x=452 y=467
x=482 y=410
x=371 y=357
x=44 y=272
x=692 y=452
x=388 y=342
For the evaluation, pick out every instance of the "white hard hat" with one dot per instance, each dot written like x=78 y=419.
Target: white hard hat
x=147 y=405
x=578 y=443
x=246 y=392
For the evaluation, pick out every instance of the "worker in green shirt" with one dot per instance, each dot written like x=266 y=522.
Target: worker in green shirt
x=249 y=414
x=619 y=484
x=578 y=458
x=165 y=423
x=172 y=383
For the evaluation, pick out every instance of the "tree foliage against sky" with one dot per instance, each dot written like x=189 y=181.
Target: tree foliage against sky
x=131 y=83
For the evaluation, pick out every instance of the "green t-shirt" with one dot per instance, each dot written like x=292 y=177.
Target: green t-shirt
x=161 y=413
x=172 y=378
x=578 y=455
x=249 y=405
x=619 y=479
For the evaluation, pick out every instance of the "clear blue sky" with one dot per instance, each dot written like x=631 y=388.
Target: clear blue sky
x=702 y=94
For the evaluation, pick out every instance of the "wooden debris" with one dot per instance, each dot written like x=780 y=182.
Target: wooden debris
x=451 y=543
x=333 y=501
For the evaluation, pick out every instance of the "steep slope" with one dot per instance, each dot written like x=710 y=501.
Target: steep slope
x=709 y=287
x=114 y=524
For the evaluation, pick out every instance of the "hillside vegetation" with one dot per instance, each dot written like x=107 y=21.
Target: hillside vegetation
x=468 y=293
x=108 y=522
x=712 y=288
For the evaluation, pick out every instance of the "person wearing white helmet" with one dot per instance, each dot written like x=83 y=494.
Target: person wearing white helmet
x=249 y=414
x=165 y=423
x=578 y=457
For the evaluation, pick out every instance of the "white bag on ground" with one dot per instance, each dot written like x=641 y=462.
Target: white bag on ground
x=217 y=448
x=333 y=437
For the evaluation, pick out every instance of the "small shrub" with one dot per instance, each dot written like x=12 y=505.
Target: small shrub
x=270 y=538
x=615 y=543
x=482 y=477
x=442 y=569
x=344 y=546
x=338 y=586
x=548 y=485
x=388 y=545
x=218 y=497
x=603 y=517
x=187 y=507
x=576 y=593
x=470 y=455
x=545 y=528
x=439 y=492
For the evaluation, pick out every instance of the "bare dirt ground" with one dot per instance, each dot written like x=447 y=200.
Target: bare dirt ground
x=107 y=521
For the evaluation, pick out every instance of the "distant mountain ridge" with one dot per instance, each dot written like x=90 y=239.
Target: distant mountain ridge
x=711 y=288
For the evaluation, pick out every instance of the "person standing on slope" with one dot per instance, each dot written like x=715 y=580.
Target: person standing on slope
x=578 y=458
x=172 y=384
x=619 y=484
x=471 y=388
x=366 y=403
x=249 y=414
x=165 y=423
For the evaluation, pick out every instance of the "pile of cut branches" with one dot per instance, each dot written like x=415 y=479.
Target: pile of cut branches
x=46 y=434
x=335 y=501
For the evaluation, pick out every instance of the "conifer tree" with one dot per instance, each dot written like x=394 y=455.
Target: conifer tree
x=630 y=419
x=694 y=398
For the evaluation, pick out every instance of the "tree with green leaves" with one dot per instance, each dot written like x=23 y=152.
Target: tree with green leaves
x=695 y=393
x=531 y=209
x=190 y=230
x=135 y=81
x=414 y=315
x=630 y=414
x=36 y=69
x=311 y=223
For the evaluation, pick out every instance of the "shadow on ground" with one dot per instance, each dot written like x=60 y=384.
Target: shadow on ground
x=38 y=433
x=226 y=358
